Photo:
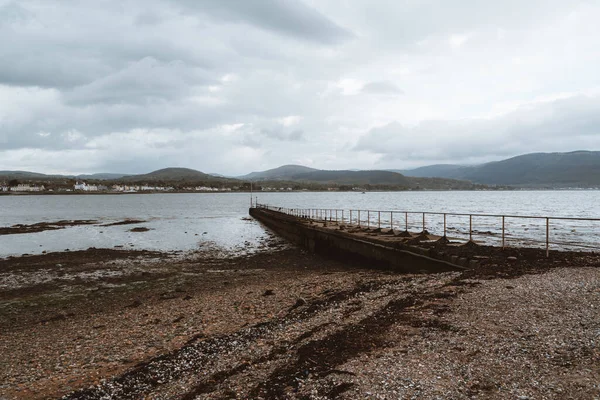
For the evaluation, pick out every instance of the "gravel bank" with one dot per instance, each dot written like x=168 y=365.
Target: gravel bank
x=288 y=324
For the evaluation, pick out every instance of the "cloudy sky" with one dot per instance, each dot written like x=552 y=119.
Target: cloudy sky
x=233 y=86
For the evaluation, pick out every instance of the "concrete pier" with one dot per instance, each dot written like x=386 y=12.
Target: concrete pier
x=372 y=247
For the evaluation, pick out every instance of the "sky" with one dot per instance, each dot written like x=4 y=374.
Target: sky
x=234 y=86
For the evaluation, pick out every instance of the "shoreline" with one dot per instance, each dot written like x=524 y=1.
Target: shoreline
x=286 y=323
x=516 y=189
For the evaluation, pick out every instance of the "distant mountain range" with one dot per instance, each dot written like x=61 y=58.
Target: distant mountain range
x=302 y=174
x=574 y=169
x=299 y=173
x=35 y=175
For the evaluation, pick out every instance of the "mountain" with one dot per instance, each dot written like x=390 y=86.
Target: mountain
x=26 y=175
x=102 y=176
x=297 y=174
x=281 y=173
x=173 y=174
x=451 y=171
x=7 y=175
x=573 y=169
x=347 y=177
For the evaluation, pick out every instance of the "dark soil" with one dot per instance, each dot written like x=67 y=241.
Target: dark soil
x=71 y=258
x=279 y=324
x=126 y=222
x=139 y=229
x=512 y=262
x=43 y=226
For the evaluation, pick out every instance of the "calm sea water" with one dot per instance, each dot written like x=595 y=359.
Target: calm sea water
x=190 y=222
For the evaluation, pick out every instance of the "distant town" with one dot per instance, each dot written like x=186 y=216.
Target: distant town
x=84 y=187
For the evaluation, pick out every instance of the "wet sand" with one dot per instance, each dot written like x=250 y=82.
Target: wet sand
x=284 y=323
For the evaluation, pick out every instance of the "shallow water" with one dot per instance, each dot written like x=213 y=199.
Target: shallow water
x=196 y=221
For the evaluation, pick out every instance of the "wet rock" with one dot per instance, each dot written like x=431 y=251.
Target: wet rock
x=140 y=229
x=268 y=292
x=135 y=304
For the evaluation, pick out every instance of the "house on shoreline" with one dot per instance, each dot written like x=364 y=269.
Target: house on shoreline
x=25 y=187
x=85 y=187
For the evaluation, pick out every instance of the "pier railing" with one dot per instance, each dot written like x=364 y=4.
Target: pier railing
x=560 y=233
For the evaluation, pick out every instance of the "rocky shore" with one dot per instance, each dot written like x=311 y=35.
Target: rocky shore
x=284 y=323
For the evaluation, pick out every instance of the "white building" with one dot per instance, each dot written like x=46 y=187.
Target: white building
x=85 y=187
x=25 y=187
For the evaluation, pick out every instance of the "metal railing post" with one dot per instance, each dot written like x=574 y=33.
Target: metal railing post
x=350 y=222
x=342 y=217
x=379 y=219
x=503 y=234
x=547 y=237
x=470 y=228
x=444 y=224
x=423 y=222
x=368 y=219
x=391 y=220
x=406 y=221
x=359 y=218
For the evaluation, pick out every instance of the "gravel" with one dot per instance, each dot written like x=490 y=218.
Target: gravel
x=288 y=324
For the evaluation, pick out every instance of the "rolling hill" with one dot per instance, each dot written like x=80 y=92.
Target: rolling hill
x=345 y=177
x=26 y=175
x=174 y=175
x=375 y=179
x=572 y=169
x=280 y=173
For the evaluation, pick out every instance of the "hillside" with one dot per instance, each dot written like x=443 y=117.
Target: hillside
x=280 y=173
x=102 y=176
x=451 y=171
x=345 y=177
x=7 y=175
x=573 y=169
x=173 y=175
x=26 y=175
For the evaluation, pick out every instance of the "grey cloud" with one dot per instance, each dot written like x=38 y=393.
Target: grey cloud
x=20 y=70
x=13 y=12
x=289 y=17
x=46 y=48
x=551 y=126
x=140 y=82
x=381 y=87
x=293 y=135
x=79 y=80
x=148 y=18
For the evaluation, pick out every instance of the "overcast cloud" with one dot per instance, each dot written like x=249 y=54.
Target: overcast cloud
x=233 y=86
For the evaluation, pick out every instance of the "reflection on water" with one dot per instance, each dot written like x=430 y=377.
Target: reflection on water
x=193 y=221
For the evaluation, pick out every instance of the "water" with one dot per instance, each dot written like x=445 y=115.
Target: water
x=191 y=222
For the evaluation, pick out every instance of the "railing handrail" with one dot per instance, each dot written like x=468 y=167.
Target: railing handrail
x=327 y=214
x=439 y=213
